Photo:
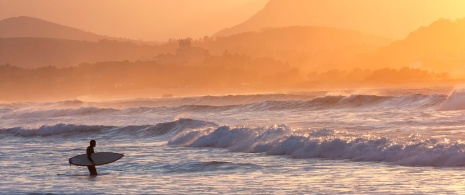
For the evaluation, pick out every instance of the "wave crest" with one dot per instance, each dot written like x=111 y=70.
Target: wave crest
x=324 y=143
x=455 y=101
x=80 y=130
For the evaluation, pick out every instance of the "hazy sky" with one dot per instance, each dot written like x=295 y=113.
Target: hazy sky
x=390 y=18
x=163 y=19
x=138 y=19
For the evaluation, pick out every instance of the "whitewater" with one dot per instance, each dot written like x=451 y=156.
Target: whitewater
x=384 y=141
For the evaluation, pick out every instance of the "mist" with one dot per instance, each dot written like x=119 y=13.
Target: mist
x=122 y=49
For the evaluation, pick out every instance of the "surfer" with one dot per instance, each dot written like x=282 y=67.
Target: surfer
x=90 y=150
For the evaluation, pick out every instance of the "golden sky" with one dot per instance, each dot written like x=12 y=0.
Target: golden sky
x=138 y=19
x=390 y=18
x=164 y=19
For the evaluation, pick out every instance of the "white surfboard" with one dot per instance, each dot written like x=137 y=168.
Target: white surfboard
x=100 y=158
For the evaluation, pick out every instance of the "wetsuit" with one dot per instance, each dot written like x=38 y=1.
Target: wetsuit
x=92 y=169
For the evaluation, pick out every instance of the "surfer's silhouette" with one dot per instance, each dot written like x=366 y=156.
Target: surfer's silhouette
x=90 y=150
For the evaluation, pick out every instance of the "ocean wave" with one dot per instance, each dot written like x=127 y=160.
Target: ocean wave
x=55 y=130
x=274 y=140
x=51 y=113
x=226 y=100
x=329 y=144
x=78 y=130
x=5 y=109
x=65 y=104
x=415 y=101
x=206 y=108
x=243 y=103
x=173 y=127
x=455 y=101
x=355 y=102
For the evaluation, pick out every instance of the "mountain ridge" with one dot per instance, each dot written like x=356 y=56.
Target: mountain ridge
x=25 y=26
x=438 y=47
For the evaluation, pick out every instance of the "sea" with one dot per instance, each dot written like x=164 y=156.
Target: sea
x=364 y=141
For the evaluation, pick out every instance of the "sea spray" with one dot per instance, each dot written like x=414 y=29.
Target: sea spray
x=455 y=100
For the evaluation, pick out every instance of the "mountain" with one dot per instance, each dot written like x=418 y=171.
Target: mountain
x=439 y=47
x=24 y=26
x=389 y=18
x=306 y=47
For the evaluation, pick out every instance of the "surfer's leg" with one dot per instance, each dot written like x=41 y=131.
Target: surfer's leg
x=92 y=170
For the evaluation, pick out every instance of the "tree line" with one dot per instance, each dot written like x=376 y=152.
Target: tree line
x=217 y=72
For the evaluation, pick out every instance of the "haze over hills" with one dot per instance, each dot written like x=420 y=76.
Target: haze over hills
x=31 y=43
x=25 y=26
x=37 y=52
x=439 y=47
x=389 y=18
x=305 y=47
x=40 y=43
x=270 y=59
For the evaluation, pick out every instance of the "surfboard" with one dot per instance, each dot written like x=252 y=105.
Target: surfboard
x=100 y=158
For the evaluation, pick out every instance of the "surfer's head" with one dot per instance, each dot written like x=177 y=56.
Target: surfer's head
x=93 y=143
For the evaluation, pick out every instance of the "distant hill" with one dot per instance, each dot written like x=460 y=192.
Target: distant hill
x=32 y=52
x=25 y=26
x=439 y=47
x=30 y=43
x=309 y=48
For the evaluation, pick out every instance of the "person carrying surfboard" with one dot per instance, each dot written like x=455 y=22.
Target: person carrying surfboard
x=92 y=159
x=89 y=152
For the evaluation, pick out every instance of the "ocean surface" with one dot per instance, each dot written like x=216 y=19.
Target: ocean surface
x=390 y=141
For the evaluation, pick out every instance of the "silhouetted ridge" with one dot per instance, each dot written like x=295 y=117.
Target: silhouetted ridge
x=25 y=26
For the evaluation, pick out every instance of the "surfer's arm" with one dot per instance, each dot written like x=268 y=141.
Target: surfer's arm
x=89 y=155
x=90 y=158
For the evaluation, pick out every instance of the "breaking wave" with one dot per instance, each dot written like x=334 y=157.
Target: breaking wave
x=79 y=130
x=332 y=102
x=274 y=140
x=455 y=101
x=326 y=143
